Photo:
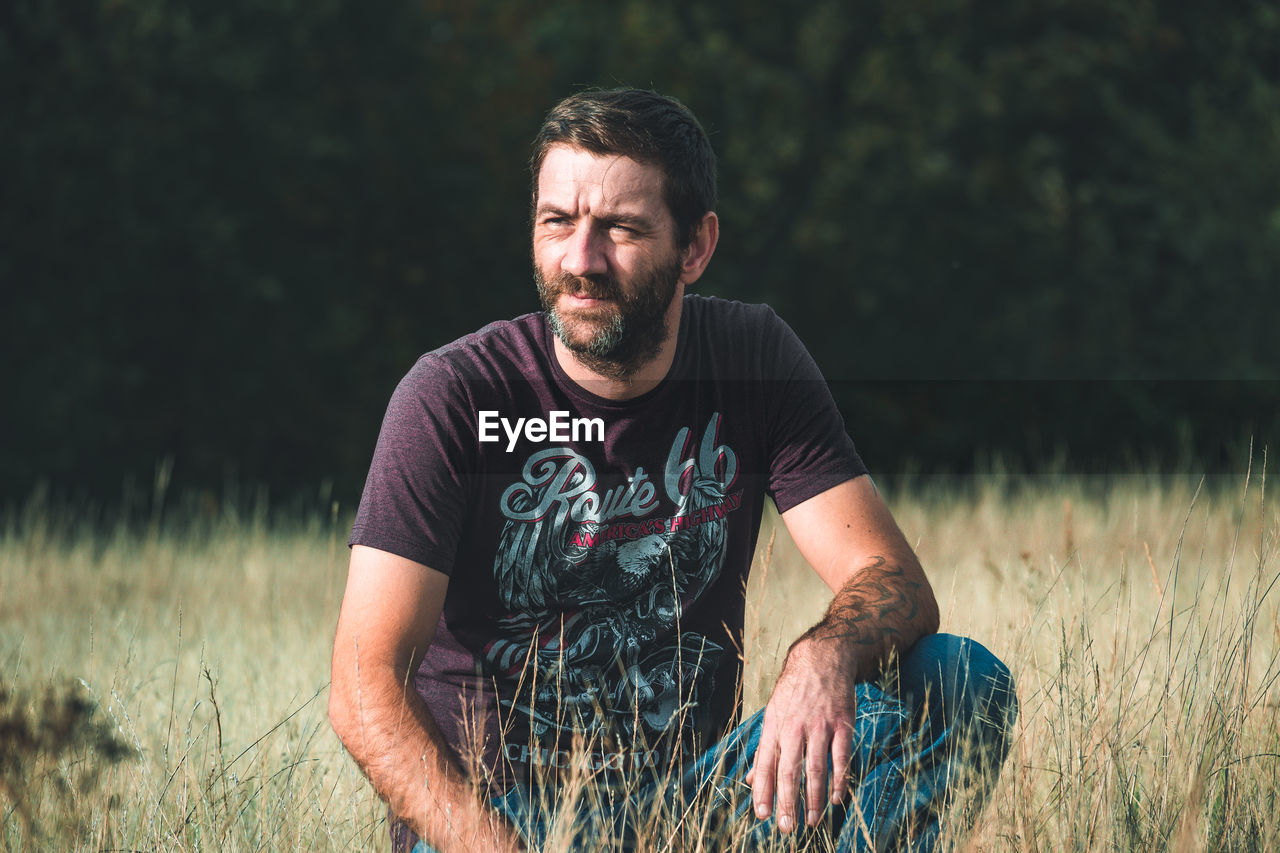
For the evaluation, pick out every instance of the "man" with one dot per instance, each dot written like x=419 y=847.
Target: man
x=548 y=563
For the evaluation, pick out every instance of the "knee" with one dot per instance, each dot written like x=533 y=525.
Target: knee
x=958 y=682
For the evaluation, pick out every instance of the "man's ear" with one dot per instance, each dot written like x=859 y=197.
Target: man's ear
x=695 y=257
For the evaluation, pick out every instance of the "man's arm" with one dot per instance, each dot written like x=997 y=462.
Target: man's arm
x=389 y=615
x=883 y=603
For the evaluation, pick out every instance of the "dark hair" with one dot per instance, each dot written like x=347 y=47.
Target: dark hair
x=648 y=128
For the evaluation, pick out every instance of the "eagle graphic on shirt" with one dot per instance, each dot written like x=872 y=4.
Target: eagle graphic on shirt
x=590 y=638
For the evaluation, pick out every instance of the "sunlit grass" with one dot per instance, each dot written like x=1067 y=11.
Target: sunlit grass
x=1137 y=614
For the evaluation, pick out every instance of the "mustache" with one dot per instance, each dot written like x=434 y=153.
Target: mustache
x=594 y=287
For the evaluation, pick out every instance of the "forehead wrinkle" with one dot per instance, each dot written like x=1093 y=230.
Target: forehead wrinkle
x=594 y=182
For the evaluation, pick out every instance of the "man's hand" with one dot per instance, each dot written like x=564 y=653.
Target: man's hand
x=807 y=723
x=388 y=619
x=883 y=603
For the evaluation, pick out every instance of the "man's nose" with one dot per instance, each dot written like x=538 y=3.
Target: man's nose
x=584 y=252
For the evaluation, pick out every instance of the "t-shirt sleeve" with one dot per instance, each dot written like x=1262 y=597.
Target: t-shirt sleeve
x=809 y=449
x=418 y=485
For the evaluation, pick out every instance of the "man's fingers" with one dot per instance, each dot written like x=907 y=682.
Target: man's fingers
x=841 y=757
x=816 y=751
x=763 y=772
x=790 y=755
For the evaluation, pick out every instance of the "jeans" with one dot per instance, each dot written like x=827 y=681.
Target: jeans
x=939 y=725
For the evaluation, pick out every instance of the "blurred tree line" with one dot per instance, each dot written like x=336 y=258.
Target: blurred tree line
x=1029 y=228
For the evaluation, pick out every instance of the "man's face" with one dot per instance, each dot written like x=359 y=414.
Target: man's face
x=604 y=257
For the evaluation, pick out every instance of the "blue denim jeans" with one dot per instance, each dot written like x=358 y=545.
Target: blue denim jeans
x=942 y=720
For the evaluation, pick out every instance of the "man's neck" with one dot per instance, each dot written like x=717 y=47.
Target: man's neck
x=644 y=379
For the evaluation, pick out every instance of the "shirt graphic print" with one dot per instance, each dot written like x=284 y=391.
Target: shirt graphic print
x=594 y=584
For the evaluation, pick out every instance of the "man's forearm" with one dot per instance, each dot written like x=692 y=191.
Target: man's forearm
x=396 y=742
x=881 y=610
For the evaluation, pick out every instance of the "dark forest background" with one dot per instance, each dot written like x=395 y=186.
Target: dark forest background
x=1043 y=231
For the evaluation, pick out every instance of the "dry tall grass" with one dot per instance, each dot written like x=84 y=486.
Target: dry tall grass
x=1137 y=614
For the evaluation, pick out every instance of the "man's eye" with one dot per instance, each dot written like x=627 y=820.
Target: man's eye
x=622 y=229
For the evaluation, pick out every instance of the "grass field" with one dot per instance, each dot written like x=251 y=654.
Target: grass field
x=1137 y=614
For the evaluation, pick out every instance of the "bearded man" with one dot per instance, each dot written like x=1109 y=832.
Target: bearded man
x=559 y=608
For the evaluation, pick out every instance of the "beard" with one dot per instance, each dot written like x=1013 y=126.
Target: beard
x=614 y=340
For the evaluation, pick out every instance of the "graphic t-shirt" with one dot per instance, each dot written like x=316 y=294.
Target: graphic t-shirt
x=597 y=549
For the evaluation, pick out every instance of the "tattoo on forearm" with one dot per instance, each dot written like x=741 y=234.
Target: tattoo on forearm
x=879 y=607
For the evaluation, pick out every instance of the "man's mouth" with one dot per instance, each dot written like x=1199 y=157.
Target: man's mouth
x=582 y=300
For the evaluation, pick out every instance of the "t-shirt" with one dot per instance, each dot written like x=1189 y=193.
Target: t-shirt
x=597 y=549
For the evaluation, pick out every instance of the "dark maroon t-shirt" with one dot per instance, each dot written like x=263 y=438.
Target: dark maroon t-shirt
x=597 y=575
